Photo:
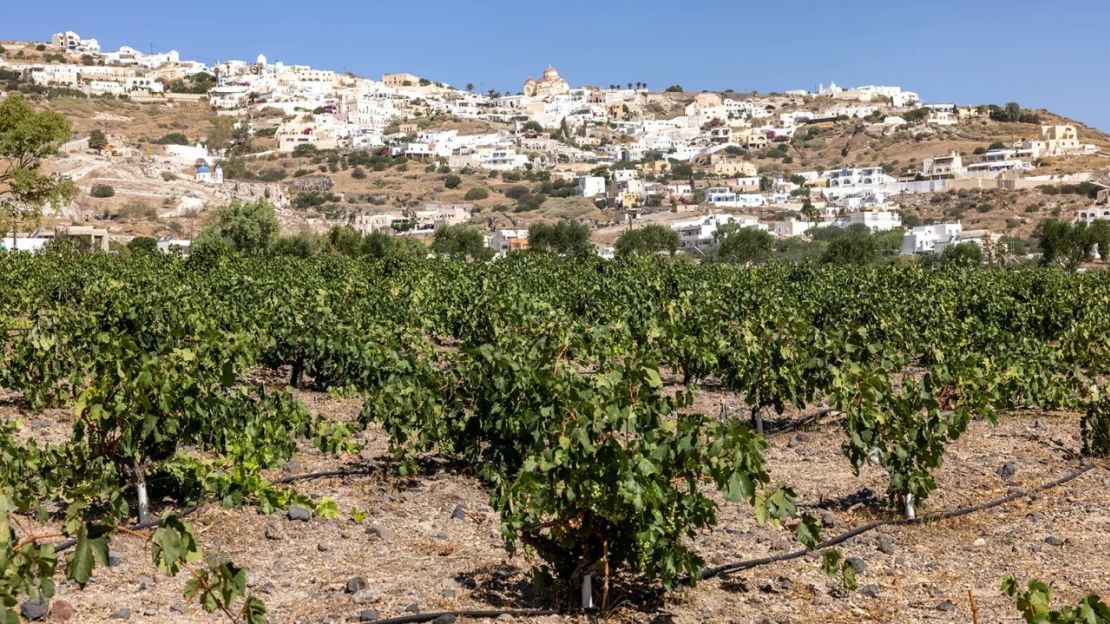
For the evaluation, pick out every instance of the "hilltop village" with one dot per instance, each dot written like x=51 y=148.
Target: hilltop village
x=161 y=142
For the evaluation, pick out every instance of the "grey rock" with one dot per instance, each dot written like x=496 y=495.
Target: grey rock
x=447 y=593
x=366 y=596
x=412 y=608
x=300 y=514
x=1052 y=540
x=794 y=441
x=34 y=609
x=355 y=584
x=1006 y=471
x=505 y=617
x=146 y=582
x=291 y=466
x=871 y=591
x=368 y=615
x=946 y=606
x=380 y=532
x=253 y=578
x=266 y=588
x=122 y=614
x=899 y=561
x=446 y=618
x=821 y=600
x=1035 y=516
x=179 y=607
x=459 y=513
x=114 y=561
x=274 y=531
x=345 y=534
x=859 y=564
x=322 y=547
x=828 y=518
x=886 y=545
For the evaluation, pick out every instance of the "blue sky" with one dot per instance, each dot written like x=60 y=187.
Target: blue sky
x=1041 y=54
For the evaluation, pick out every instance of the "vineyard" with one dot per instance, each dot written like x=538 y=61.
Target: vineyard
x=612 y=413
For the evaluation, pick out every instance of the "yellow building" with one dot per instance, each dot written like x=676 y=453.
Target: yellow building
x=400 y=80
x=734 y=168
x=656 y=167
x=549 y=84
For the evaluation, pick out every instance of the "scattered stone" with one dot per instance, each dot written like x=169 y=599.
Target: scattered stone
x=291 y=466
x=300 y=514
x=380 y=532
x=267 y=588
x=794 y=441
x=412 y=608
x=784 y=584
x=345 y=534
x=446 y=618
x=899 y=561
x=1037 y=424
x=459 y=513
x=871 y=591
x=1052 y=540
x=146 y=582
x=368 y=615
x=979 y=542
x=280 y=566
x=274 y=531
x=366 y=596
x=322 y=547
x=122 y=614
x=114 y=561
x=821 y=600
x=447 y=593
x=946 y=606
x=859 y=564
x=1035 y=516
x=766 y=586
x=355 y=583
x=177 y=607
x=1006 y=471
x=504 y=617
x=886 y=545
x=828 y=518
x=252 y=578
x=34 y=610
x=61 y=611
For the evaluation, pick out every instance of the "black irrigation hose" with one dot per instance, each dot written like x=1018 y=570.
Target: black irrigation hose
x=344 y=472
x=431 y=615
x=933 y=517
x=751 y=563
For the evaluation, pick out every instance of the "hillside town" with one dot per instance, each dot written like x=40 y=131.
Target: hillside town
x=626 y=155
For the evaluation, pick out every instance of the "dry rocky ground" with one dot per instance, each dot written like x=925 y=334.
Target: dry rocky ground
x=433 y=543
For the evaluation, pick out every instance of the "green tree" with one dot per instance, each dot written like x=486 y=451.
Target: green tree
x=962 y=255
x=1013 y=111
x=1063 y=244
x=173 y=138
x=648 y=240
x=568 y=238
x=97 y=140
x=744 y=245
x=461 y=241
x=674 y=89
x=220 y=133
x=809 y=211
x=247 y=227
x=27 y=137
x=345 y=240
x=299 y=245
x=853 y=248
x=452 y=181
x=142 y=244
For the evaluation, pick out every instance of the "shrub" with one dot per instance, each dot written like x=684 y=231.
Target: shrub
x=476 y=194
x=516 y=192
x=169 y=176
x=136 y=210
x=358 y=173
x=142 y=244
x=452 y=181
x=173 y=138
x=102 y=191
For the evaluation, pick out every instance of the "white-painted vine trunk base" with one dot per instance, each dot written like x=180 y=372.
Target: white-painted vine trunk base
x=587 y=592
x=911 y=513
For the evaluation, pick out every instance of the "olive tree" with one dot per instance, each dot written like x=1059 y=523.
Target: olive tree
x=27 y=138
